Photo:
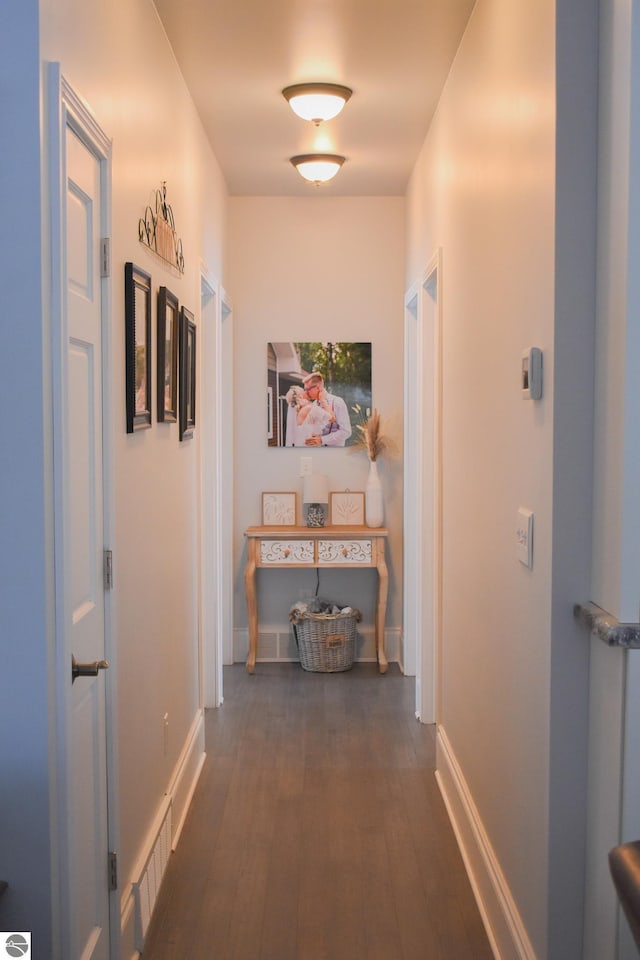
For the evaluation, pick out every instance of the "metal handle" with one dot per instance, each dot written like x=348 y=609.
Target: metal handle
x=86 y=669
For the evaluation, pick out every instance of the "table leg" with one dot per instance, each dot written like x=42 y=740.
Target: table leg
x=252 y=604
x=381 y=611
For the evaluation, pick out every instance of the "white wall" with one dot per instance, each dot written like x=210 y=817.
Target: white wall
x=116 y=56
x=130 y=79
x=487 y=168
x=308 y=269
x=491 y=188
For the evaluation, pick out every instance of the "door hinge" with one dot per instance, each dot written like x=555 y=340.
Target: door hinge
x=113 y=871
x=108 y=569
x=105 y=257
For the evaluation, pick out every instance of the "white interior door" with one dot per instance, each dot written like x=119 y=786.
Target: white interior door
x=84 y=556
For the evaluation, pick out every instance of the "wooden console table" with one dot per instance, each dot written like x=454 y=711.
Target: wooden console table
x=282 y=547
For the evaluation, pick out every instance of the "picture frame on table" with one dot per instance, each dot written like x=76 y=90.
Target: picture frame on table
x=346 y=508
x=187 y=358
x=279 y=508
x=168 y=326
x=137 y=315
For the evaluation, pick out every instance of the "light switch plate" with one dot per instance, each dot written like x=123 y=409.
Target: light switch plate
x=524 y=537
x=306 y=466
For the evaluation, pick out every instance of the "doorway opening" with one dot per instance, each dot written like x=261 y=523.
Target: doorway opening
x=215 y=606
x=423 y=487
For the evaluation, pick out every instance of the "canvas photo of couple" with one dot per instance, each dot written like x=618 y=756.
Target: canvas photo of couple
x=313 y=390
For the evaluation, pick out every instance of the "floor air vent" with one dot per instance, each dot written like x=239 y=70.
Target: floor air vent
x=148 y=886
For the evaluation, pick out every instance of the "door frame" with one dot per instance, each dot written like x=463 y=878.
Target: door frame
x=215 y=603
x=66 y=108
x=211 y=691
x=225 y=501
x=422 y=599
x=412 y=596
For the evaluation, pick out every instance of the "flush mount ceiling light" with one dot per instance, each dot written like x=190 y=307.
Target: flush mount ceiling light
x=316 y=101
x=317 y=167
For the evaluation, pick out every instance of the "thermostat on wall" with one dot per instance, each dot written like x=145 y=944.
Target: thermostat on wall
x=532 y=373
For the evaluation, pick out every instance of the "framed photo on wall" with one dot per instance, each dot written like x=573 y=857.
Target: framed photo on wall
x=168 y=326
x=187 y=420
x=137 y=315
x=316 y=392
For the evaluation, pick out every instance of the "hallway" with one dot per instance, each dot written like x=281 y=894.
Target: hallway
x=317 y=830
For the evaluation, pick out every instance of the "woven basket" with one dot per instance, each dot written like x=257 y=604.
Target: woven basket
x=326 y=641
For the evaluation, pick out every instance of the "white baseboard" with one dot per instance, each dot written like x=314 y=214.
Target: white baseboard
x=127 y=925
x=185 y=776
x=276 y=644
x=503 y=923
x=176 y=800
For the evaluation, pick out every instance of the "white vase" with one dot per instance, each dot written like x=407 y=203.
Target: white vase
x=374 y=503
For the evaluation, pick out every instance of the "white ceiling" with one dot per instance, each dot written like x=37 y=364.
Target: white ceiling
x=237 y=55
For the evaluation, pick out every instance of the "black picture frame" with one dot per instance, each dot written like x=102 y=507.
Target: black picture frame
x=187 y=418
x=168 y=325
x=137 y=315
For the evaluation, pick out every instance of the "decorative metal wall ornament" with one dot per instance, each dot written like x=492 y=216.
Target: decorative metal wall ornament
x=158 y=232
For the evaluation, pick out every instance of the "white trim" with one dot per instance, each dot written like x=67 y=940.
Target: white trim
x=423 y=485
x=60 y=885
x=181 y=787
x=431 y=377
x=208 y=584
x=191 y=758
x=127 y=926
x=225 y=498
x=80 y=114
x=186 y=774
x=145 y=851
x=502 y=921
x=177 y=832
x=215 y=604
x=412 y=594
x=66 y=108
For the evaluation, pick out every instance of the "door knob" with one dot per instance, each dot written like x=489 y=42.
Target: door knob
x=86 y=669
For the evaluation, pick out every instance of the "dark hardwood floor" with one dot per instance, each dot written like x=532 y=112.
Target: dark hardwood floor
x=317 y=830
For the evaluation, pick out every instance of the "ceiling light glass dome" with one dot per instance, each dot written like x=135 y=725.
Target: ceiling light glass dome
x=316 y=101
x=317 y=167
